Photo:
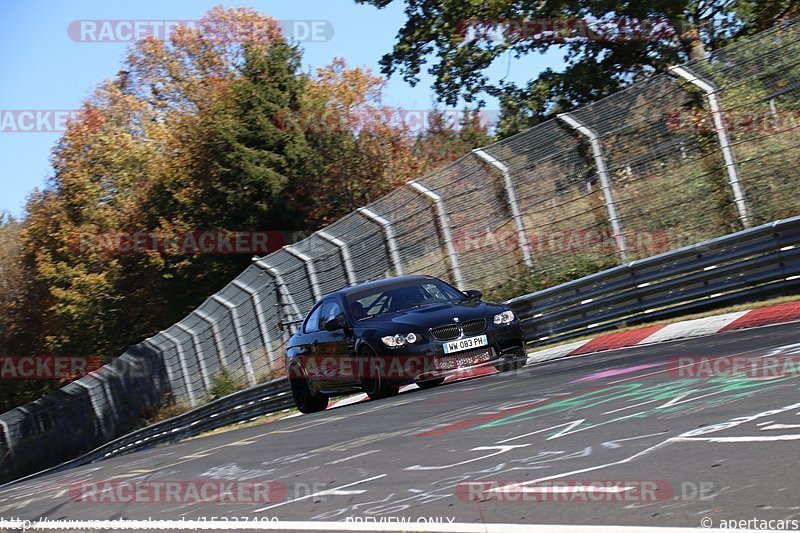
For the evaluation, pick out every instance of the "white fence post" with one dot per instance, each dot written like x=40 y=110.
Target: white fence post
x=184 y=367
x=90 y=392
x=444 y=227
x=205 y=317
x=7 y=432
x=201 y=363
x=605 y=181
x=170 y=375
x=237 y=329
x=283 y=292
x=513 y=203
x=266 y=338
x=722 y=136
x=388 y=233
x=312 y=274
x=345 y=251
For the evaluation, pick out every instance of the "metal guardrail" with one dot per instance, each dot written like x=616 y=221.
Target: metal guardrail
x=248 y=404
x=757 y=262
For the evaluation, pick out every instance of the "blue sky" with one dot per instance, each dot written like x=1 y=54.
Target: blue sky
x=44 y=69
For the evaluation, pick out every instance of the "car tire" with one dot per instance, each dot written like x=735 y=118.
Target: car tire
x=375 y=384
x=430 y=383
x=306 y=401
x=508 y=366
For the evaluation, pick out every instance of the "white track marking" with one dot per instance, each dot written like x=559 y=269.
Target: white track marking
x=613 y=443
x=374 y=524
x=631 y=406
x=337 y=461
x=780 y=426
x=321 y=493
x=570 y=424
x=500 y=449
x=564 y=490
x=755 y=438
x=591 y=468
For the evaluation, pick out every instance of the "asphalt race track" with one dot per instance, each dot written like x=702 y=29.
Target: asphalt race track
x=724 y=448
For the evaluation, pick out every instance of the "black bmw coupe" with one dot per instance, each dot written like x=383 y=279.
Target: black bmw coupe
x=377 y=336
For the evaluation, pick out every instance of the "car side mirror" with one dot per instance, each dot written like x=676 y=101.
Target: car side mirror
x=473 y=294
x=335 y=324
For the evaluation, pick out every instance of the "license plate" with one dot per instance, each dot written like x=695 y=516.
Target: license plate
x=465 y=344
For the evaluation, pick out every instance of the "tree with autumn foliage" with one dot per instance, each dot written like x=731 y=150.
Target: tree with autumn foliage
x=191 y=135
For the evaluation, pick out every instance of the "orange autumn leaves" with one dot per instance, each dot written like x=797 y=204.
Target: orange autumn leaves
x=217 y=128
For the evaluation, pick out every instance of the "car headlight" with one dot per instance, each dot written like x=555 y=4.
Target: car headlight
x=506 y=317
x=393 y=341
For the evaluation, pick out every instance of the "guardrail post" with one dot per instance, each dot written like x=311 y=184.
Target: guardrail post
x=345 y=251
x=722 y=136
x=283 y=292
x=184 y=368
x=199 y=352
x=312 y=274
x=260 y=314
x=513 y=203
x=605 y=181
x=388 y=234
x=237 y=329
x=444 y=227
x=205 y=317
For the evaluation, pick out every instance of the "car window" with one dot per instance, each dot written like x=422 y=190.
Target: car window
x=435 y=292
x=312 y=322
x=370 y=305
x=406 y=296
x=330 y=310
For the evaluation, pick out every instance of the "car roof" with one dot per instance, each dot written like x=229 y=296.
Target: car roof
x=382 y=284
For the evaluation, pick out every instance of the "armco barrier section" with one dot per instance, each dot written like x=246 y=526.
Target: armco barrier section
x=254 y=402
x=753 y=263
x=702 y=151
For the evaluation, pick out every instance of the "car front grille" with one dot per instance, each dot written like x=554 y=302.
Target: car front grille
x=446 y=333
x=449 y=332
x=464 y=359
x=473 y=327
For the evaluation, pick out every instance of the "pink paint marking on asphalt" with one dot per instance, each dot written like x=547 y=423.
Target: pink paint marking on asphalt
x=615 y=372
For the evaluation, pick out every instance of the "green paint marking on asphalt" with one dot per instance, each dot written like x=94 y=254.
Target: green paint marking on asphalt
x=719 y=388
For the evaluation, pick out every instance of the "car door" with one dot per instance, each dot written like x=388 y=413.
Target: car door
x=334 y=346
x=306 y=343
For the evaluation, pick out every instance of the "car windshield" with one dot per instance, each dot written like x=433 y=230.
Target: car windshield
x=402 y=297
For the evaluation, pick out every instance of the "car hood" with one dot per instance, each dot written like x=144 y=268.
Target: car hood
x=434 y=315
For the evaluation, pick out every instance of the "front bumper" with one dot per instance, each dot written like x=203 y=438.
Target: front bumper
x=427 y=360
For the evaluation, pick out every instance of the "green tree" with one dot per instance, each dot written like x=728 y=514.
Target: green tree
x=606 y=45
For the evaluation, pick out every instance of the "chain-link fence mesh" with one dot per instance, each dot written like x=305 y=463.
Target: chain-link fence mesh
x=649 y=160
